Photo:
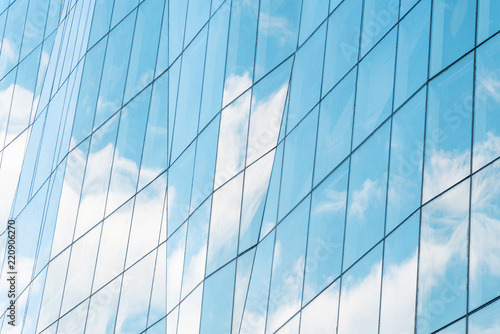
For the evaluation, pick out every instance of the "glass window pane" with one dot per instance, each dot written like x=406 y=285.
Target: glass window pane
x=442 y=272
x=367 y=195
x=22 y=98
x=405 y=6
x=379 y=16
x=35 y=25
x=305 y=84
x=158 y=303
x=413 y=51
x=74 y=322
x=320 y=316
x=360 y=295
x=7 y=85
x=334 y=4
x=87 y=98
x=134 y=297
x=49 y=221
x=155 y=151
x=405 y=170
x=35 y=299
x=83 y=33
x=189 y=313
x=158 y=328
x=334 y=129
x=399 y=281
x=144 y=47
x=13 y=36
x=456 y=328
x=254 y=313
x=172 y=318
x=80 y=269
x=114 y=70
x=197 y=15
x=448 y=129
x=374 y=91
x=70 y=196
x=175 y=261
x=271 y=207
x=113 y=245
x=180 y=177
x=47 y=149
x=291 y=327
x=174 y=73
x=233 y=135
x=487 y=104
x=224 y=224
x=278 y=32
x=240 y=48
x=176 y=24
x=288 y=267
x=189 y=95
x=488 y=19
x=145 y=230
x=213 y=78
x=484 y=276
x=204 y=168
x=122 y=8
x=28 y=224
x=452 y=32
x=267 y=113
x=243 y=271
x=218 y=301
x=196 y=248
x=326 y=233
x=257 y=177
x=162 y=60
x=97 y=174
x=485 y=320
x=298 y=163
x=313 y=13
x=52 y=292
x=128 y=152
x=342 y=42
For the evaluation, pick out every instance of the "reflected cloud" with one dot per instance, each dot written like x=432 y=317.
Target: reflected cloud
x=10 y=169
x=106 y=108
x=488 y=84
x=194 y=270
x=444 y=168
x=189 y=313
x=232 y=140
x=8 y=56
x=283 y=302
x=175 y=264
x=235 y=85
x=359 y=297
x=362 y=199
x=265 y=123
x=487 y=150
x=224 y=224
x=277 y=26
x=398 y=304
x=256 y=184
x=19 y=101
x=485 y=233
x=320 y=316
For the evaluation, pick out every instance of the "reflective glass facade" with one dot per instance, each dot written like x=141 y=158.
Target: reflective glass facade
x=237 y=166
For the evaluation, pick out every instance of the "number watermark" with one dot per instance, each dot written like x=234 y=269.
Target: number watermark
x=11 y=272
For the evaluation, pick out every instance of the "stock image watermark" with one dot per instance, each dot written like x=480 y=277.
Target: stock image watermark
x=11 y=272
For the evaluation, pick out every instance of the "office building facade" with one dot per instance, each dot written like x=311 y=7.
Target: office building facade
x=241 y=166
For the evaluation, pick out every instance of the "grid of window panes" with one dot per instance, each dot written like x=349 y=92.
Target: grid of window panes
x=236 y=166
